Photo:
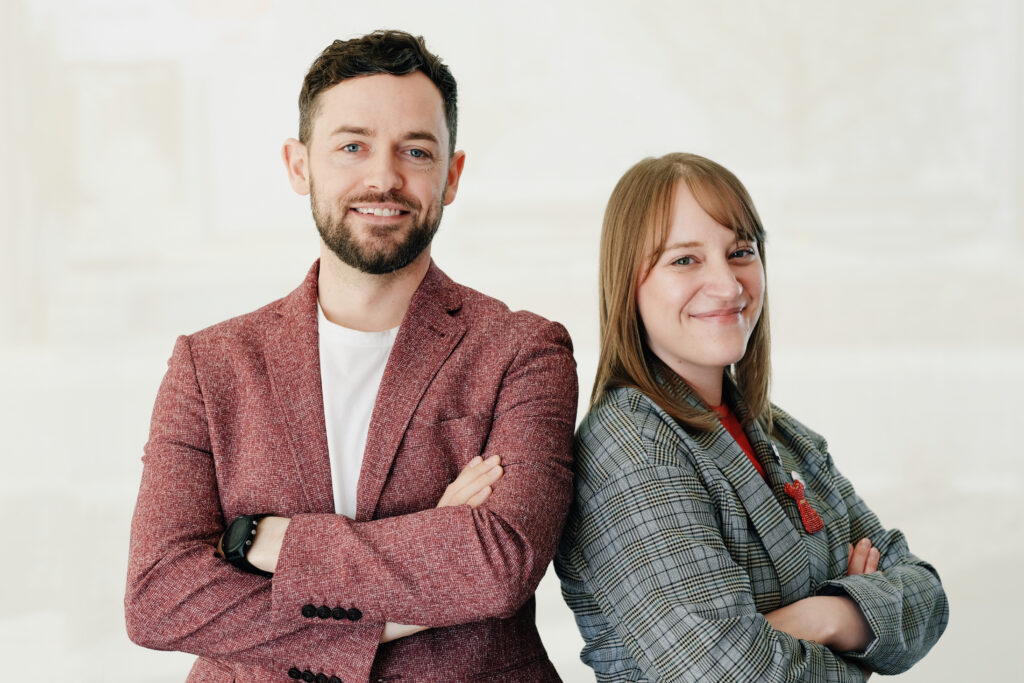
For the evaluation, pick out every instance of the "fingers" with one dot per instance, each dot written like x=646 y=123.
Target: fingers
x=873 y=558
x=863 y=558
x=479 y=498
x=472 y=481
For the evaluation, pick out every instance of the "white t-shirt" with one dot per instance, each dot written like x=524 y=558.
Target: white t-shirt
x=351 y=367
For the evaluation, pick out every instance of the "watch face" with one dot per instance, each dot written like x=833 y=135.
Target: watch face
x=238 y=532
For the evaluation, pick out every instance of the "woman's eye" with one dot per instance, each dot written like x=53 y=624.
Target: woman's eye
x=744 y=252
x=684 y=261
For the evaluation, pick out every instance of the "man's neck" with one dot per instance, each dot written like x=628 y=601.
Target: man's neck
x=361 y=301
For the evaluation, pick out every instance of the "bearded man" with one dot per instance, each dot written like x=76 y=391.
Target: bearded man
x=367 y=478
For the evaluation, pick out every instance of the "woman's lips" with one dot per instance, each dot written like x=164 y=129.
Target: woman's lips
x=720 y=315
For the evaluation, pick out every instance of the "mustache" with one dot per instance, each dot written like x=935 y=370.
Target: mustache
x=385 y=198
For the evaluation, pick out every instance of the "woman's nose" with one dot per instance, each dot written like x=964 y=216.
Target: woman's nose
x=721 y=281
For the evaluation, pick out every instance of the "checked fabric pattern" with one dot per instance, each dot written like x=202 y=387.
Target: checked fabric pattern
x=675 y=548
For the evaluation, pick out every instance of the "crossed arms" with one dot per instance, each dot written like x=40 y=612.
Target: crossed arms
x=402 y=569
x=649 y=557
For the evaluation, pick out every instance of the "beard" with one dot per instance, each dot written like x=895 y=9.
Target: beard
x=385 y=254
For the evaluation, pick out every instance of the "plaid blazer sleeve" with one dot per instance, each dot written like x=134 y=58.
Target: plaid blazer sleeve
x=644 y=565
x=903 y=601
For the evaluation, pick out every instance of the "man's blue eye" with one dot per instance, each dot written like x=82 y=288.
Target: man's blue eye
x=351 y=147
x=418 y=153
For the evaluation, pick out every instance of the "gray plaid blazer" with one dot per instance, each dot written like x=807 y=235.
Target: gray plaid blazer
x=675 y=547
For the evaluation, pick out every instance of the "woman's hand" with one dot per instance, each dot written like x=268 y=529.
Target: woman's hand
x=863 y=558
x=472 y=487
x=831 y=620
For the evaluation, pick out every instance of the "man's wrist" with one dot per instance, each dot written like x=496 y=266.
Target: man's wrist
x=266 y=547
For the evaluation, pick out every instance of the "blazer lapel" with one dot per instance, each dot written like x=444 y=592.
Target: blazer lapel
x=292 y=353
x=777 y=524
x=774 y=527
x=426 y=338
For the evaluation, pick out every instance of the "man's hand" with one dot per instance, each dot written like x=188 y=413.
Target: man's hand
x=472 y=487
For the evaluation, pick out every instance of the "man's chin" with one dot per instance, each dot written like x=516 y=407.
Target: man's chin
x=380 y=262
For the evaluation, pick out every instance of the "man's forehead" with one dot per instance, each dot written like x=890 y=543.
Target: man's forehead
x=382 y=103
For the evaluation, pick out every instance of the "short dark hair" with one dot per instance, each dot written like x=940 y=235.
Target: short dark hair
x=382 y=52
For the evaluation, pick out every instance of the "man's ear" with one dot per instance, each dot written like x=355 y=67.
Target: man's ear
x=296 y=160
x=454 y=173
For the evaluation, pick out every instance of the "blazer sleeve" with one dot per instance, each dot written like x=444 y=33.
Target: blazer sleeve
x=903 y=601
x=179 y=595
x=453 y=565
x=650 y=550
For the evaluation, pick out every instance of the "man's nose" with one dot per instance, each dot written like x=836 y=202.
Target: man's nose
x=383 y=173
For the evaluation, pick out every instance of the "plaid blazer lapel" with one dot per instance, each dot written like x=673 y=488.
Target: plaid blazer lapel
x=773 y=523
x=426 y=338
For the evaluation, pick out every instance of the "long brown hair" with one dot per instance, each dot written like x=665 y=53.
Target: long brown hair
x=636 y=227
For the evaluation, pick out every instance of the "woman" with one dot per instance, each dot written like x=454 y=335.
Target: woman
x=710 y=538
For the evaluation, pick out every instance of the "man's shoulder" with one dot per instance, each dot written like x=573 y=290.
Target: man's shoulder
x=241 y=328
x=248 y=328
x=489 y=317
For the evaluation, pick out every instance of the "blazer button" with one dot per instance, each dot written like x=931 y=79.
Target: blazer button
x=333 y=679
x=308 y=611
x=324 y=612
x=321 y=678
x=308 y=676
x=294 y=673
x=338 y=613
x=354 y=614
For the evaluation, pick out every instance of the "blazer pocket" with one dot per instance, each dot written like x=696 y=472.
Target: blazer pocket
x=457 y=434
x=429 y=458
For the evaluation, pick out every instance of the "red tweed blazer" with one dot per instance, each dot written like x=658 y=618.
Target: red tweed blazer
x=238 y=427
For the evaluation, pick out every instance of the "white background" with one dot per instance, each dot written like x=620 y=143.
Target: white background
x=142 y=196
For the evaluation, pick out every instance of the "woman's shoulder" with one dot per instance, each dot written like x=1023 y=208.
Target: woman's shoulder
x=790 y=428
x=624 y=430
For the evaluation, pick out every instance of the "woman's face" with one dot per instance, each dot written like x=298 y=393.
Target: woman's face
x=701 y=299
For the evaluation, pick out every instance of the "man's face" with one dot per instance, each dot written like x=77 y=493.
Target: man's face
x=379 y=171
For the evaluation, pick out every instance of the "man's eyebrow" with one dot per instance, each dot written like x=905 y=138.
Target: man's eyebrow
x=370 y=132
x=422 y=135
x=353 y=130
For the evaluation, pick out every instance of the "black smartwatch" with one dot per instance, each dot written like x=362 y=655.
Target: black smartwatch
x=237 y=540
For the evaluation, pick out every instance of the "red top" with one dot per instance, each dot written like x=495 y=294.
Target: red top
x=732 y=425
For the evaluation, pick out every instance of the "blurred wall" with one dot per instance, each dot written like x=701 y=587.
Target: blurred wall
x=142 y=196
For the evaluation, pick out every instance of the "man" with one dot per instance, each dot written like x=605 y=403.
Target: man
x=323 y=429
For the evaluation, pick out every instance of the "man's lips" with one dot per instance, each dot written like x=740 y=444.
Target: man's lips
x=380 y=210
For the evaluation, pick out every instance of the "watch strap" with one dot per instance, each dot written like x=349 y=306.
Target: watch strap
x=237 y=556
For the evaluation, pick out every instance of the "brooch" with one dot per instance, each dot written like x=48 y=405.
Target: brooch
x=808 y=515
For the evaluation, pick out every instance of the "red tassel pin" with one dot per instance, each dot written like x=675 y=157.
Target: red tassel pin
x=808 y=515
